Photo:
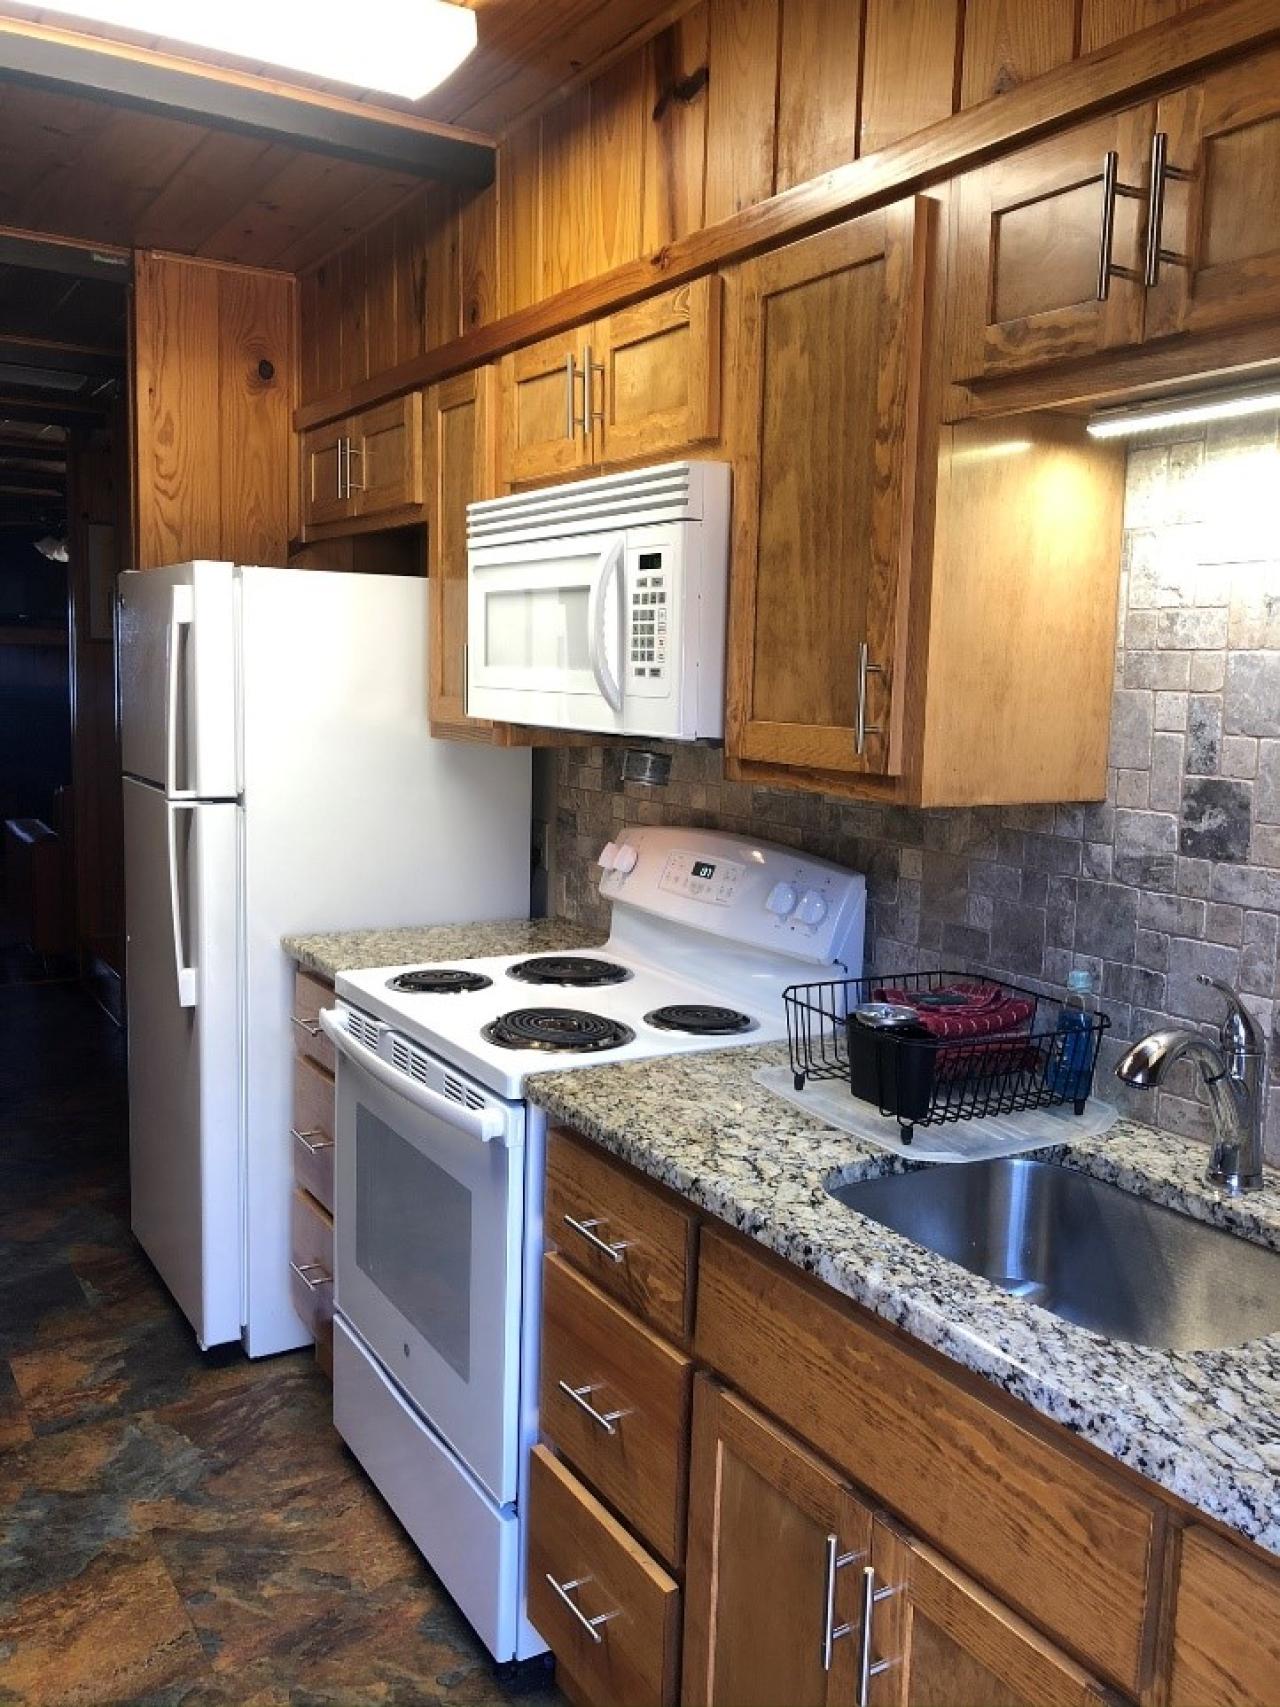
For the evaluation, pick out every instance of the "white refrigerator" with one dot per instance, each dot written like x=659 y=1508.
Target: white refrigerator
x=279 y=776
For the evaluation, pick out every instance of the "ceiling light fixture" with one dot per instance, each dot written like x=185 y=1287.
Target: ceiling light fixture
x=1162 y=416
x=397 y=47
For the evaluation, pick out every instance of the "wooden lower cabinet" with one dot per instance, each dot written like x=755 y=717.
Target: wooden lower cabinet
x=1226 y=1626
x=776 y=1546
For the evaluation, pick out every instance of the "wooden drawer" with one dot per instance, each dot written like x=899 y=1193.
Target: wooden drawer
x=1055 y=1536
x=312 y=1129
x=637 y=1457
x=1226 y=1631
x=310 y=994
x=311 y=1265
x=629 y=1658
x=624 y=1233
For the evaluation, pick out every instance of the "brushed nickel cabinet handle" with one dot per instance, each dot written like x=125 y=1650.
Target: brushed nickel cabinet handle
x=311 y=1027
x=590 y=367
x=1111 y=188
x=831 y=1631
x=338 y=466
x=1161 y=172
x=317 y=1277
x=861 y=728
x=565 y=1592
x=871 y=1597
x=570 y=410
x=352 y=485
x=308 y=1137
x=607 y=1420
x=586 y=1229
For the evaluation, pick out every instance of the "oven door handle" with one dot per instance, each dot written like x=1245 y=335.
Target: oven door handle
x=487 y=1124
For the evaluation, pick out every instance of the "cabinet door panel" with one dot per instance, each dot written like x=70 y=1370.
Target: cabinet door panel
x=461 y=467
x=1220 y=229
x=831 y=337
x=1030 y=232
x=659 y=389
x=323 y=462
x=1226 y=1627
x=776 y=1540
x=386 y=457
x=542 y=401
x=938 y=1640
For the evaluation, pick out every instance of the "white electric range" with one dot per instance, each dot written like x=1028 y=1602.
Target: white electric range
x=439 y=1164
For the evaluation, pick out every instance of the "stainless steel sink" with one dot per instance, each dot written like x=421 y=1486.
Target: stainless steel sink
x=1083 y=1249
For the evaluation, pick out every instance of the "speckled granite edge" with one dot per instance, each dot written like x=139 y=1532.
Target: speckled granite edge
x=331 y=952
x=1203 y=1425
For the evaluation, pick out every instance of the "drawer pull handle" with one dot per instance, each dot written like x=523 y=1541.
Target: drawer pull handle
x=586 y=1229
x=607 y=1420
x=310 y=1026
x=831 y=1631
x=313 y=1139
x=871 y=1597
x=564 y=1590
x=313 y=1275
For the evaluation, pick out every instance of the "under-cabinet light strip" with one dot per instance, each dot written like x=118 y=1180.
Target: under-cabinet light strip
x=1160 y=417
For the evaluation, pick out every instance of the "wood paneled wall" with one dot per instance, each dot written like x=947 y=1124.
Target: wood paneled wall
x=213 y=362
x=733 y=101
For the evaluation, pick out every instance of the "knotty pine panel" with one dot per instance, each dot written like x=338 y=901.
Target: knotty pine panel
x=911 y=62
x=818 y=79
x=742 y=56
x=675 y=130
x=1105 y=21
x=1007 y=42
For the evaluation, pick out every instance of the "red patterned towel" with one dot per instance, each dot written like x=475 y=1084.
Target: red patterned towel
x=967 y=1010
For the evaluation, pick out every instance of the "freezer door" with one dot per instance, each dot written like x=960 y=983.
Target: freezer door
x=178 y=679
x=184 y=1056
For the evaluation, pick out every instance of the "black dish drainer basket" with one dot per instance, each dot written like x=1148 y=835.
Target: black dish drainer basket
x=925 y=1081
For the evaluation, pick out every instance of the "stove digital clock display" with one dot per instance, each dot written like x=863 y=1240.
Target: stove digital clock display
x=704 y=869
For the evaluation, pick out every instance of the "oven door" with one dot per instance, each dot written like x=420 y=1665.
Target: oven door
x=545 y=631
x=429 y=1228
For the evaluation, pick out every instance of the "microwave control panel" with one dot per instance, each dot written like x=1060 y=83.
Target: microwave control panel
x=649 y=621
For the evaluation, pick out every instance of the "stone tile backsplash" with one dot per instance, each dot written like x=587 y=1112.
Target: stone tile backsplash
x=1176 y=873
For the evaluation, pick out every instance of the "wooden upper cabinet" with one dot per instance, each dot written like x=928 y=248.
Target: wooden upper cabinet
x=640 y=385
x=1033 y=230
x=461 y=467
x=1226 y=1632
x=936 y=1639
x=775 y=1550
x=829 y=354
x=1217 y=207
x=324 y=496
x=656 y=390
x=544 y=437
x=385 y=458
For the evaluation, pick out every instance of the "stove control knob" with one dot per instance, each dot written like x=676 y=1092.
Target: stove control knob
x=624 y=860
x=811 y=908
x=781 y=899
x=608 y=856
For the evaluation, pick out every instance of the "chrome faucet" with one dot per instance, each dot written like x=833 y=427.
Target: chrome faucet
x=1235 y=1071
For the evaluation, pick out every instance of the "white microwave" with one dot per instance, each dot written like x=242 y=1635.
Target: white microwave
x=600 y=605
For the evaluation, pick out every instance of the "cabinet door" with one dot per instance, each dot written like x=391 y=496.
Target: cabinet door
x=324 y=471
x=656 y=390
x=828 y=355
x=1226 y=1626
x=461 y=466
x=385 y=473
x=544 y=431
x=1032 y=229
x=776 y=1541
x=1218 y=219
x=935 y=1639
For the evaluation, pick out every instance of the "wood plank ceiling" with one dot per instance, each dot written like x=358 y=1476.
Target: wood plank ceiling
x=85 y=169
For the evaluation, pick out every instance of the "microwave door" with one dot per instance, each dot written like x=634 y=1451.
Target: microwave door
x=604 y=625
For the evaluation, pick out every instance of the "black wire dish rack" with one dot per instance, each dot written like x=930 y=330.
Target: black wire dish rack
x=922 y=1080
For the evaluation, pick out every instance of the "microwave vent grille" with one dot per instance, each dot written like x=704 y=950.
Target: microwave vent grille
x=636 y=497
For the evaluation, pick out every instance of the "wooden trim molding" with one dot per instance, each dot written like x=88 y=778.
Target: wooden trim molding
x=1128 y=70
x=95 y=68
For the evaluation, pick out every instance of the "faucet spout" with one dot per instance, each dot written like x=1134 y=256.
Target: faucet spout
x=1234 y=1072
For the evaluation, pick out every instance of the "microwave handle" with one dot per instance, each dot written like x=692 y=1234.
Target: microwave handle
x=597 y=605
x=486 y=1124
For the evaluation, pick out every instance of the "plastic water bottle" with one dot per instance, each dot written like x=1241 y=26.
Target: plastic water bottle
x=1071 y=1059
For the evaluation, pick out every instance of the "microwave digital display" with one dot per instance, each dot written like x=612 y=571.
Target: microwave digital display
x=703 y=868
x=649 y=560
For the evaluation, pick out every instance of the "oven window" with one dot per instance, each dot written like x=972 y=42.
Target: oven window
x=541 y=628
x=413 y=1237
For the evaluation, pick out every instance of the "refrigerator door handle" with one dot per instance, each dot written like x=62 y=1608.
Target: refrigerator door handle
x=186 y=975
x=181 y=615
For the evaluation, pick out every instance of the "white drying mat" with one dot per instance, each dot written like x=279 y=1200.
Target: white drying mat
x=831 y=1101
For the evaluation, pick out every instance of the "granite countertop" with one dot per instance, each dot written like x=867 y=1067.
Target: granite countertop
x=331 y=952
x=1204 y=1425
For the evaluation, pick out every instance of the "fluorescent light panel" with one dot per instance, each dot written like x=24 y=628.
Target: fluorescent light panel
x=398 y=47
x=1160 y=417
